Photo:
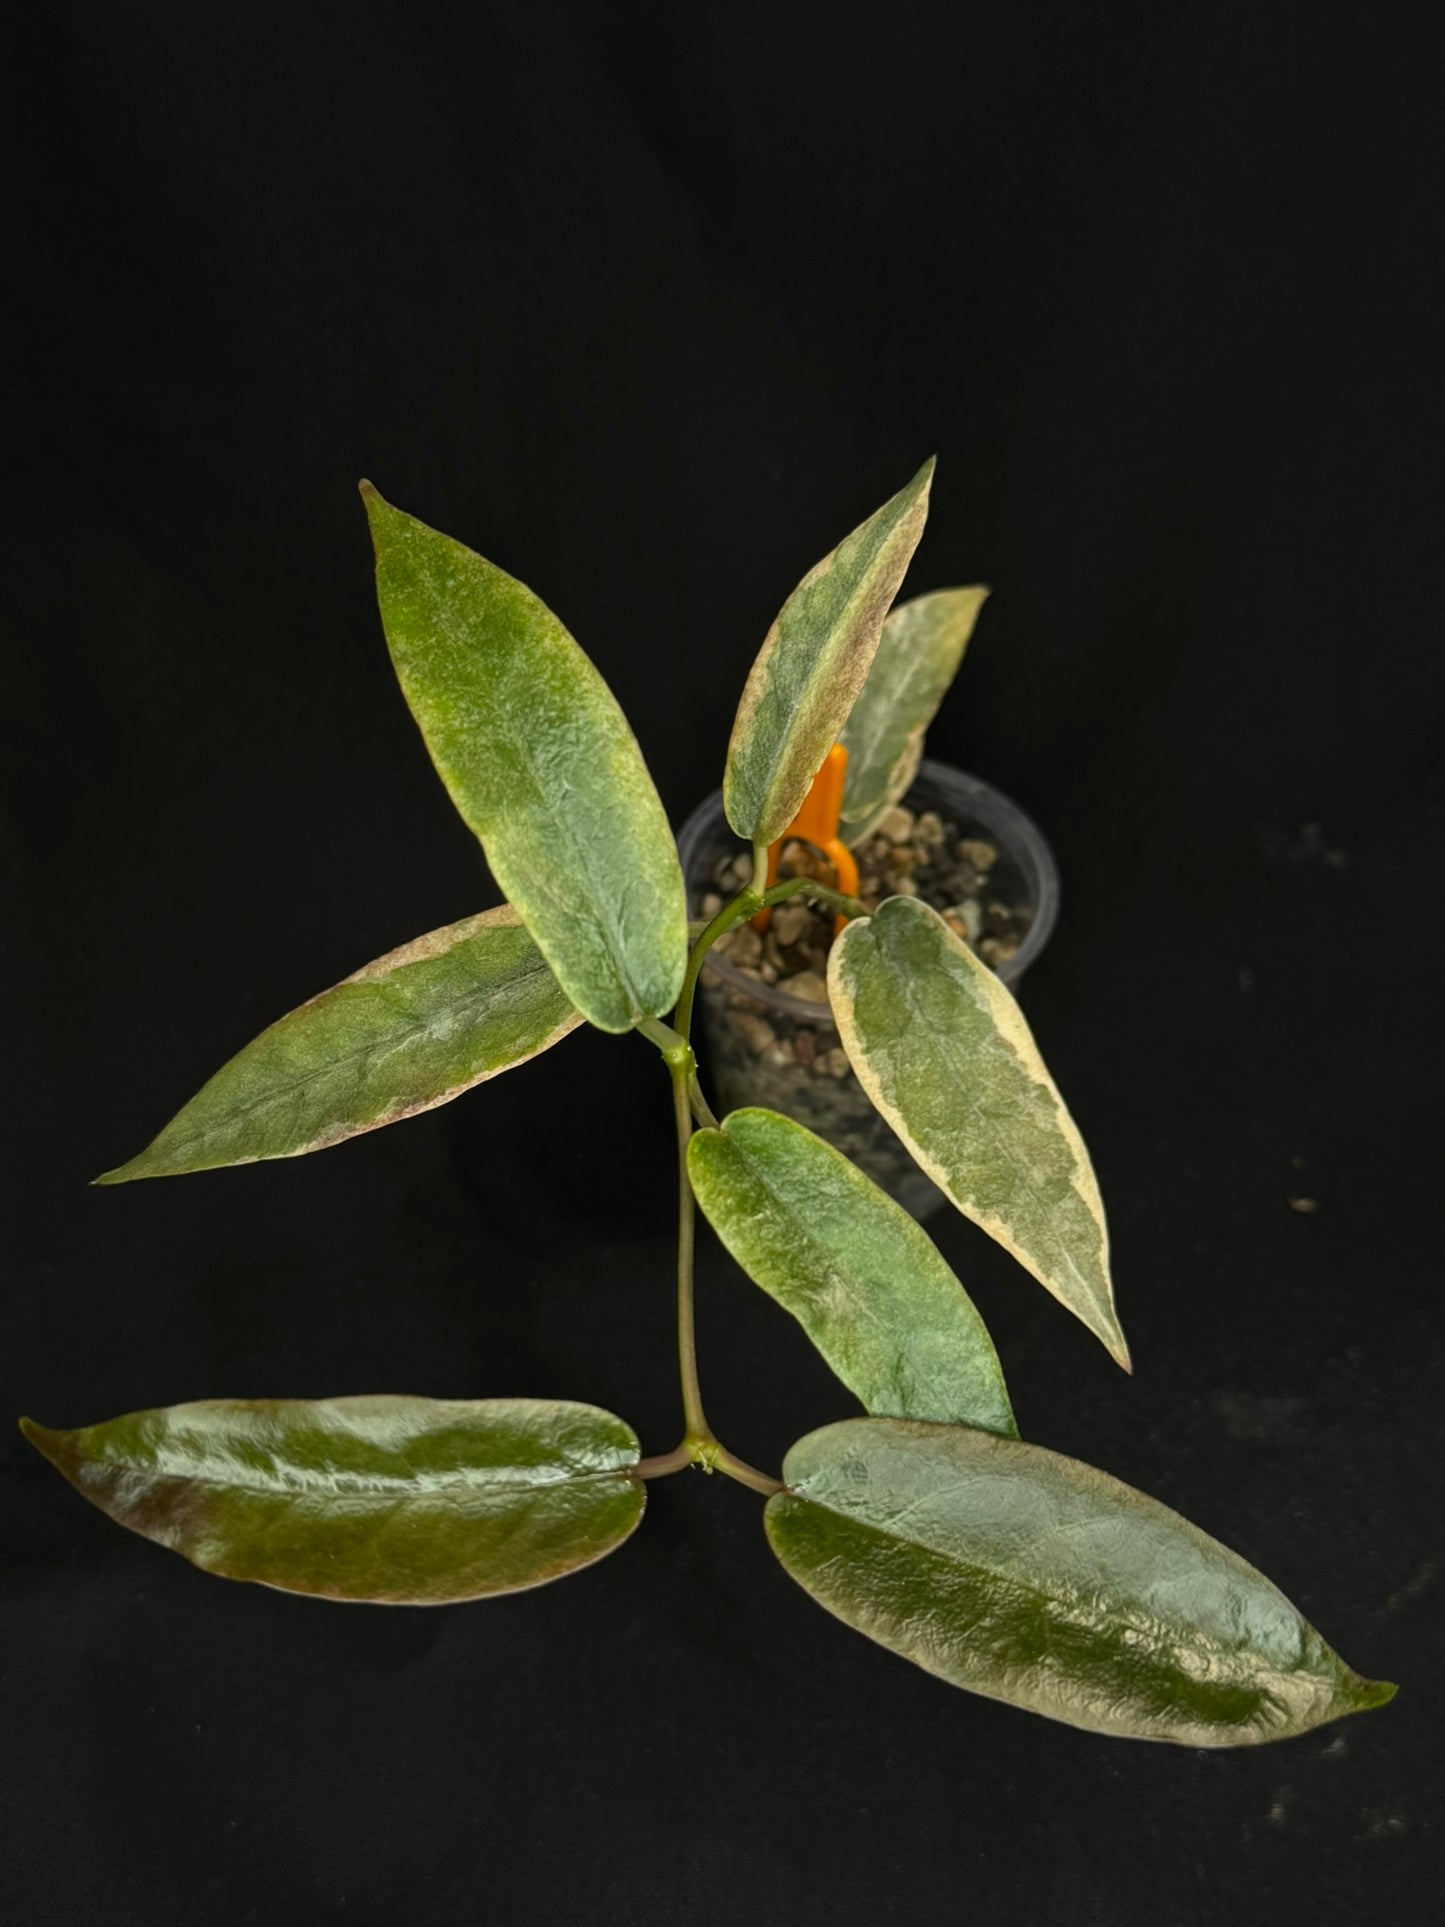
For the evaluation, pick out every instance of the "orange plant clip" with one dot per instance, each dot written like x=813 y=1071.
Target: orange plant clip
x=817 y=823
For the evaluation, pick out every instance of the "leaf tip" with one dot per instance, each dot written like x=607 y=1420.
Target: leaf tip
x=1372 y=1693
x=373 y=501
x=923 y=480
x=140 y=1166
x=42 y=1438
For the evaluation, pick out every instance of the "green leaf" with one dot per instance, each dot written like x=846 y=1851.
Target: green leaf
x=410 y=1031
x=399 y=1501
x=1030 y=1578
x=943 y=1051
x=918 y=657
x=812 y=665
x=539 y=760
x=866 y=1283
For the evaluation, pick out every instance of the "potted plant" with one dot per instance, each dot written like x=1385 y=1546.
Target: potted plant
x=928 y=1524
x=916 y=828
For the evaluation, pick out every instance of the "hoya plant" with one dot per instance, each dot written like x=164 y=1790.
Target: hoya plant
x=928 y=1524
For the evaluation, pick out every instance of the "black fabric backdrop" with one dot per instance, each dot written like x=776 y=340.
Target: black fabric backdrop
x=651 y=304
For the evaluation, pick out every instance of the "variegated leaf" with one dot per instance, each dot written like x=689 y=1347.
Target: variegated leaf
x=863 y=1279
x=945 y=1054
x=918 y=657
x=813 y=663
x=412 y=1030
x=539 y=760
x=1027 y=1577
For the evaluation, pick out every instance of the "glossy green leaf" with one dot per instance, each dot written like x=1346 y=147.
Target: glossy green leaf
x=813 y=663
x=399 y=1501
x=410 y=1031
x=918 y=657
x=539 y=760
x=1030 y=1578
x=943 y=1051
x=865 y=1281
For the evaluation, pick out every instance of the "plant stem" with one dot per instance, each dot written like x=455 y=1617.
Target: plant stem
x=745 y=1474
x=699 y=1445
x=711 y=1457
x=694 y=1418
x=663 y=1035
x=701 y=1109
x=747 y=904
x=823 y=892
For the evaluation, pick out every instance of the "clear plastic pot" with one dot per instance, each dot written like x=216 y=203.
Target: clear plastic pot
x=762 y=1046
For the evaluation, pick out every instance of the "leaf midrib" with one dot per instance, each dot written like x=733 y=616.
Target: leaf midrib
x=409 y=1028
x=880 y=714
x=810 y=1239
x=828 y=653
x=382 y=1490
x=944 y=1041
x=1066 y=1601
x=597 y=909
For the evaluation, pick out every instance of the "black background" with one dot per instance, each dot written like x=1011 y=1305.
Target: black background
x=651 y=304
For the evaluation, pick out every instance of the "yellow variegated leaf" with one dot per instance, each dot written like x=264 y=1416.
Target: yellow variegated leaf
x=412 y=1030
x=918 y=656
x=945 y=1054
x=813 y=663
